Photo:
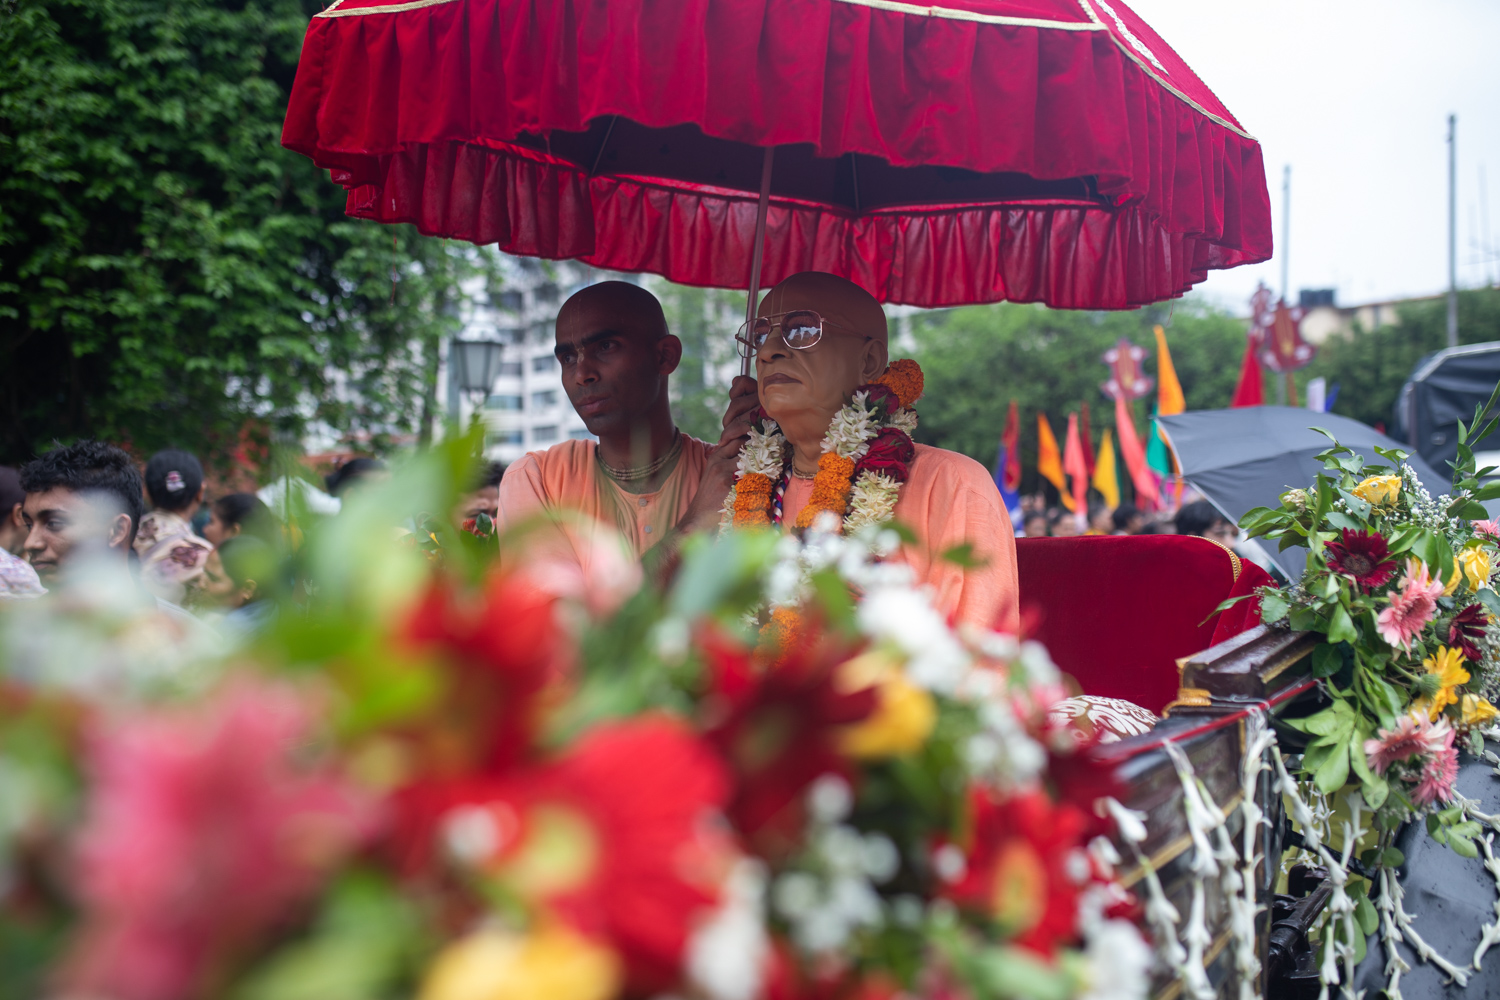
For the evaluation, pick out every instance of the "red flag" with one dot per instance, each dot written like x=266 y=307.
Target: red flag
x=1088 y=438
x=1010 y=475
x=1135 y=456
x=1250 y=391
x=1077 y=470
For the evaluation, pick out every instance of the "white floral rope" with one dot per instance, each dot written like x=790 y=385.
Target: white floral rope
x=1244 y=908
x=1489 y=934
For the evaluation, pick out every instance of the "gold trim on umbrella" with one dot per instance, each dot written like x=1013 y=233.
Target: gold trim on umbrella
x=1136 y=58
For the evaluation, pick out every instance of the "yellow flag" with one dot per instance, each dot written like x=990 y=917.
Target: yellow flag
x=1105 y=480
x=1169 y=399
x=1049 y=459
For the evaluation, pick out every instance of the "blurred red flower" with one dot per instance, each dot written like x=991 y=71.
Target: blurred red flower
x=204 y=827
x=1024 y=867
x=778 y=726
x=616 y=837
x=506 y=646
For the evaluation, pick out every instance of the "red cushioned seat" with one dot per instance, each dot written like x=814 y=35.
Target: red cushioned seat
x=1117 y=613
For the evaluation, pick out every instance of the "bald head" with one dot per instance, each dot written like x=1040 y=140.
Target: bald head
x=629 y=309
x=838 y=300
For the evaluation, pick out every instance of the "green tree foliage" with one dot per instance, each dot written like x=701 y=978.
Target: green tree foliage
x=1370 y=366
x=977 y=359
x=168 y=273
x=705 y=320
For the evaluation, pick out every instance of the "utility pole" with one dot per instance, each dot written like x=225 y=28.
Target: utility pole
x=1453 y=230
x=1286 y=229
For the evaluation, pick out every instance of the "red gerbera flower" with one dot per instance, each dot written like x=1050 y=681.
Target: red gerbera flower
x=615 y=837
x=1021 y=855
x=505 y=646
x=1467 y=626
x=778 y=726
x=1363 y=557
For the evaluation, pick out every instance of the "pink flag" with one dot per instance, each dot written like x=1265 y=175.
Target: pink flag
x=1135 y=457
x=1077 y=468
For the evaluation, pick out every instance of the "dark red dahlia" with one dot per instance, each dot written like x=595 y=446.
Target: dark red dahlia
x=1466 y=628
x=890 y=452
x=1363 y=557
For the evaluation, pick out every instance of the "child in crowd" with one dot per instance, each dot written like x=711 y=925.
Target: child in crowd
x=172 y=556
x=237 y=513
x=237 y=578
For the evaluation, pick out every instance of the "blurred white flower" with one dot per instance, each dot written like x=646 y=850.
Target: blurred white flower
x=727 y=953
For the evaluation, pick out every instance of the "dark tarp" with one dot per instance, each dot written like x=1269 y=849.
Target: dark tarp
x=1449 y=898
x=1248 y=457
x=1444 y=388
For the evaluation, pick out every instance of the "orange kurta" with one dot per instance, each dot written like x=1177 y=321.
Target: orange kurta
x=566 y=477
x=950 y=499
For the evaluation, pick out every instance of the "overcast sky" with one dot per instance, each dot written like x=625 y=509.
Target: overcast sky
x=1355 y=97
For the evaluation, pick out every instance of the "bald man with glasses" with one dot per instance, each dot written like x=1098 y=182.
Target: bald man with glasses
x=819 y=337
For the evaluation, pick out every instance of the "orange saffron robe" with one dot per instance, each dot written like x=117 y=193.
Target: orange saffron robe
x=948 y=500
x=567 y=477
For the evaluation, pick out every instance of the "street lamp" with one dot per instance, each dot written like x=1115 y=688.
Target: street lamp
x=476 y=363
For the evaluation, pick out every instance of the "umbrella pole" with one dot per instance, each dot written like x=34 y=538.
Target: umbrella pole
x=758 y=255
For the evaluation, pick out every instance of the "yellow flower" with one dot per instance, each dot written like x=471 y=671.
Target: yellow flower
x=1379 y=490
x=1476 y=711
x=1448 y=665
x=1453 y=581
x=904 y=713
x=550 y=963
x=1475 y=562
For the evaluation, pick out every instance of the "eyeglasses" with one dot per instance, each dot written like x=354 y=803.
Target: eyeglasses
x=800 y=329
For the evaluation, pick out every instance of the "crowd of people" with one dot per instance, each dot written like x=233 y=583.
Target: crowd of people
x=1193 y=517
x=88 y=509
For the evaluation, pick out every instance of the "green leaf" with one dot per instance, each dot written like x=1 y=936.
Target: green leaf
x=1365 y=916
x=1490 y=600
x=963 y=555
x=1334 y=771
x=1339 y=519
x=1360 y=507
x=1341 y=626
x=1392 y=858
x=1273 y=608
x=1326 y=660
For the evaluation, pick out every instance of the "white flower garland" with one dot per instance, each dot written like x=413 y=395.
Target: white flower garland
x=873 y=495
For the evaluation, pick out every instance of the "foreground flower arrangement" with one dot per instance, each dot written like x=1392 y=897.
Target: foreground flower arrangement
x=457 y=776
x=1402 y=584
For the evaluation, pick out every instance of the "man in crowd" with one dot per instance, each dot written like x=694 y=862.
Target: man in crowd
x=644 y=477
x=949 y=499
x=17 y=578
x=82 y=502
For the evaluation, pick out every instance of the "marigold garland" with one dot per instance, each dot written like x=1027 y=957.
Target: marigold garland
x=831 y=488
x=859 y=487
x=904 y=378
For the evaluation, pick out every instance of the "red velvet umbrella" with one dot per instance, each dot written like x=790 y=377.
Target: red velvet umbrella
x=1030 y=150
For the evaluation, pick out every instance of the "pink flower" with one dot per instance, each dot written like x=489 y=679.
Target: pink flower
x=1412 y=736
x=1412 y=607
x=1486 y=528
x=1439 y=774
x=205 y=825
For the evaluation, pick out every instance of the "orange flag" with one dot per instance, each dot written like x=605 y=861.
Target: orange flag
x=1077 y=468
x=1049 y=460
x=1135 y=456
x=1169 y=397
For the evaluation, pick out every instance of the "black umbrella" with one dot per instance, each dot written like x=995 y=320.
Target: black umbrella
x=1247 y=457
